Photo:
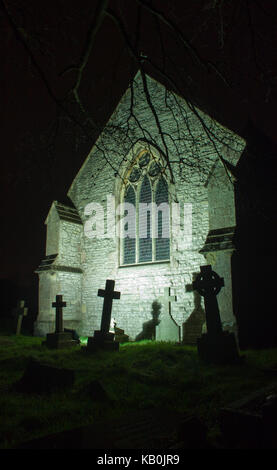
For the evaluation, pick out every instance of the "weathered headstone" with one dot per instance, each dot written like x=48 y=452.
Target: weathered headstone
x=103 y=338
x=73 y=333
x=152 y=429
x=167 y=329
x=96 y=391
x=192 y=433
x=216 y=345
x=19 y=312
x=59 y=339
x=250 y=422
x=120 y=335
x=44 y=378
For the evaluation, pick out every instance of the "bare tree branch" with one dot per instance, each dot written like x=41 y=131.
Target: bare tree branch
x=92 y=32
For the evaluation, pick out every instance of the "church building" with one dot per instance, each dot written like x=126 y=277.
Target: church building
x=153 y=201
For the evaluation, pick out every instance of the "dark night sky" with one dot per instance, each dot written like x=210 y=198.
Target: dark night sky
x=30 y=179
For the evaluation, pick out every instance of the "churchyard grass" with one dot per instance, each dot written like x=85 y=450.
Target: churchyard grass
x=139 y=376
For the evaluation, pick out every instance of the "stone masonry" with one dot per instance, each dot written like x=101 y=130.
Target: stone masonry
x=76 y=266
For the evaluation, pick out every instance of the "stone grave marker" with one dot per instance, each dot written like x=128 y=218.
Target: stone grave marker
x=103 y=338
x=167 y=329
x=216 y=345
x=44 y=378
x=19 y=312
x=144 y=429
x=250 y=422
x=120 y=335
x=59 y=339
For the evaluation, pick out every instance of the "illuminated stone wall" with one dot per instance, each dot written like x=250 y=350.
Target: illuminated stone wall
x=98 y=259
x=60 y=272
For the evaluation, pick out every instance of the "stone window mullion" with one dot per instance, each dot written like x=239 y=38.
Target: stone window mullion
x=147 y=186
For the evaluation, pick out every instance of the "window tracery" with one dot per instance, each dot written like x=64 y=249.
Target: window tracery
x=148 y=225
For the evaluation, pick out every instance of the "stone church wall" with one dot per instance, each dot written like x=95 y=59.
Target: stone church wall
x=61 y=274
x=53 y=233
x=140 y=285
x=70 y=244
x=99 y=258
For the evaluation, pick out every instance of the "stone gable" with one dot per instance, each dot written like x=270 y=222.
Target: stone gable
x=205 y=196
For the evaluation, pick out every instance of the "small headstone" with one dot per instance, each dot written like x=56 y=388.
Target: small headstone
x=216 y=345
x=143 y=429
x=103 y=338
x=269 y=419
x=119 y=335
x=250 y=422
x=19 y=312
x=192 y=433
x=96 y=391
x=59 y=339
x=73 y=333
x=43 y=378
x=167 y=329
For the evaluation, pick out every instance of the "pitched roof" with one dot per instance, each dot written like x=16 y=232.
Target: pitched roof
x=65 y=212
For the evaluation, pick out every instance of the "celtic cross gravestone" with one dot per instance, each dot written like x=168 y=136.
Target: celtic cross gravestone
x=208 y=284
x=215 y=346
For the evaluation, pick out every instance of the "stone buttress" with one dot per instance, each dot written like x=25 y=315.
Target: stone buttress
x=60 y=272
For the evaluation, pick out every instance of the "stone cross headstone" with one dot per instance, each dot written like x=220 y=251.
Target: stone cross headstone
x=19 y=312
x=104 y=338
x=215 y=346
x=167 y=329
x=58 y=305
x=208 y=284
x=109 y=294
x=59 y=339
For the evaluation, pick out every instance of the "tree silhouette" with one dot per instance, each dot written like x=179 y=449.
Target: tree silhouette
x=184 y=45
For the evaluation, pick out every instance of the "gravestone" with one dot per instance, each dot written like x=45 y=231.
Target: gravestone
x=250 y=422
x=120 y=335
x=59 y=339
x=167 y=329
x=96 y=391
x=44 y=378
x=144 y=429
x=103 y=338
x=18 y=313
x=216 y=346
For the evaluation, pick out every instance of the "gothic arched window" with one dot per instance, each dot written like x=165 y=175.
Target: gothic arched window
x=162 y=240
x=146 y=205
x=130 y=228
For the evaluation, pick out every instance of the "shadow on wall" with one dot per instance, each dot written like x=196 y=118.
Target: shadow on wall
x=149 y=327
x=192 y=327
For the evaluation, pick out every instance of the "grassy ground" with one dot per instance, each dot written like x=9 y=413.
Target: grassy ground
x=139 y=376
